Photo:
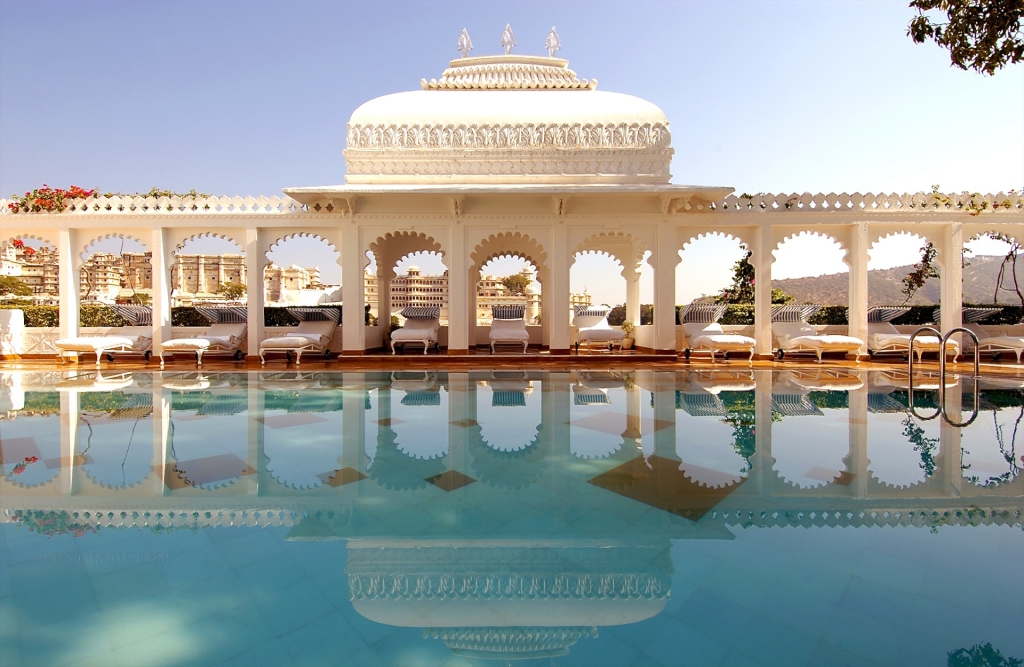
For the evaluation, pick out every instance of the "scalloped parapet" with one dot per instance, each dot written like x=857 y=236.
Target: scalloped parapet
x=509 y=73
x=164 y=205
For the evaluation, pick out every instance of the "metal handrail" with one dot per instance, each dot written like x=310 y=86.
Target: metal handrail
x=942 y=377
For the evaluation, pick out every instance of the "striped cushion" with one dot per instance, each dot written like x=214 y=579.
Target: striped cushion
x=139 y=316
x=886 y=313
x=972 y=315
x=508 y=312
x=792 y=313
x=591 y=311
x=316 y=313
x=702 y=313
x=222 y=315
x=508 y=399
x=420 y=398
x=422 y=312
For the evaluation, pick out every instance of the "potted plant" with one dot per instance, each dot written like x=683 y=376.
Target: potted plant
x=627 y=328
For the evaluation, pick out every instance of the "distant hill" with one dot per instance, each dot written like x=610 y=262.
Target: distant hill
x=884 y=285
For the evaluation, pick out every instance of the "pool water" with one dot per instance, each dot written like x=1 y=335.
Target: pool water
x=732 y=517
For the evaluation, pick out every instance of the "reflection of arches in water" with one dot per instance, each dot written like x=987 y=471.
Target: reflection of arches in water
x=990 y=453
x=31 y=437
x=595 y=427
x=509 y=414
x=306 y=456
x=810 y=453
x=708 y=437
x=901 y=451
x=117 y=447
x=208 y=448
x=397 y=472
x=419 y=419
x=511 y=469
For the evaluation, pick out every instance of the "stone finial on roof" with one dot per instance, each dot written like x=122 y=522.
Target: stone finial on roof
x=552 y=43
x=465 y=44
x=508 y=40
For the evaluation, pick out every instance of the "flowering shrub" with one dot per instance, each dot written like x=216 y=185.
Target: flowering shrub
x=52 y=523
x=50 y=200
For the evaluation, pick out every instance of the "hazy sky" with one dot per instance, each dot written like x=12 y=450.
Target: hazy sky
x=251 y=97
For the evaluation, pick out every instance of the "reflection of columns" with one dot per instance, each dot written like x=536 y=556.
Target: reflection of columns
x=557 y=315
x=383 y=418
x=353 y=421
x=353 y=293
x=665 y=415
x=256 y=455
x=666 y=257
x=950 y=456
x=857 y=461
x=67 y=276
x=633 y=431
x=762 y=261
x=161 y=290
x=461 y=406
x=458 y=290
x=631 y=273
x=762 y=460
x=161 y=437
x=857 y=260
x=951 y=285
x=68 y=439
x=254 y=262
x=555 y=415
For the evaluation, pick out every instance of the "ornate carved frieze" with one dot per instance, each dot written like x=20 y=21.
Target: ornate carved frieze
x=612 y=136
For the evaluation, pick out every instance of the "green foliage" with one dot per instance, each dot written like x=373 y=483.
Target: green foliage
x=278 y=317
x=982 y=35
x=394 y=323
x=923 y=270
x=233 y=291
x=102 y=401
x=924 y=446
x=52 y=523
x=830 y=315
x=15 y=286
x=742 y=288
x=738 y=314
x=617 y=315
x=830 y=400
x=516 y=284
x=187 y=317
x=980 y=655
x=42 y=402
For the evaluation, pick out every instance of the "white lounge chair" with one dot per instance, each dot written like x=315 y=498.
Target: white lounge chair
x=137 y=339
x=884 y=338
x=508 y=326
x=421 y=326
x=795 y=336
x=592 y=327
x=316 y=327
x=224 y=335
x=705 y=334
x=995 y=345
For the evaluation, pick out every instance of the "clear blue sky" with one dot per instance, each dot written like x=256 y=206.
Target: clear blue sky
x=251 y=97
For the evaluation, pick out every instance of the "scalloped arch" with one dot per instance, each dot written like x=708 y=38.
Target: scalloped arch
x=34 y=237
x=598 y=253
x=902 y=231
x=399 y=245
x=110 y=235
x=729 y=236
x=595 y=240
x=813 y=233
x=207 y=235
x=509 y=244
x=978 y=235
x=301 y=235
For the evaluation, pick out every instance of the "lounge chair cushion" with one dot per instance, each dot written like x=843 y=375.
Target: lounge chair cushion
x=884 y=334
x=136 y=338
x=795 y=335
x=700 y=334
x=218 y=336
x=315 y=333
x=417 y=329
x=513 y=330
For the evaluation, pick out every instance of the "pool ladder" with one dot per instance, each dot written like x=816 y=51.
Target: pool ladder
x=942 y=375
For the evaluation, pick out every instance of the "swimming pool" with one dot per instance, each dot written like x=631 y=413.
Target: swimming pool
x=730 y=517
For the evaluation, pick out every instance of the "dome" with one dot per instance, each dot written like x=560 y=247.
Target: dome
x=508 y=120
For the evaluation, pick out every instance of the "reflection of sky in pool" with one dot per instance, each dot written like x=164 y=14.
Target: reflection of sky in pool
x=576 y=518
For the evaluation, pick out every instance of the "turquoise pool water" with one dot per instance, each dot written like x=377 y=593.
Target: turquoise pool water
x=734 y=517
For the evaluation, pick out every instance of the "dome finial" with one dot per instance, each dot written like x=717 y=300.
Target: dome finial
x=508 y=40
x=552 y=43
x=465 y=44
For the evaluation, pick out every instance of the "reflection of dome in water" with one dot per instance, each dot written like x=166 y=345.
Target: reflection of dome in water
x=510 y=643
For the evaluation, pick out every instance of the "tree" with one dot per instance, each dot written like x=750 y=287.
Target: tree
x=742 y=288
x=232 y=291
x=983 y=35
x=923 y=270
x=516 y=284
x=14 y=286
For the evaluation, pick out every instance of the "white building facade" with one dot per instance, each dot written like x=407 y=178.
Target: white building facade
x=516 y=156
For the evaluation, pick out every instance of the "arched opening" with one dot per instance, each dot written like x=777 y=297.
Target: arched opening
x=419 y=279
x=404 y=269
x=903 y=271
x=707 y=266
x=116 y=269
x=508 y=280
x=301 y=270
x=29 y=271
x=809 y=267
x=208 y=269
x=994 y=270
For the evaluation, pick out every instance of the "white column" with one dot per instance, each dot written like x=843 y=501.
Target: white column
x=632 y=275
x=458 y=290
x=254 y=262
x=857 y=463
x=557 y=295
x=160 y=262
x=161 y=436
x=951 y=284
x=666 y=257
x=857 y=259
x=353 y=296
x=762 y=260
x=69 y=417
x=68 y=279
